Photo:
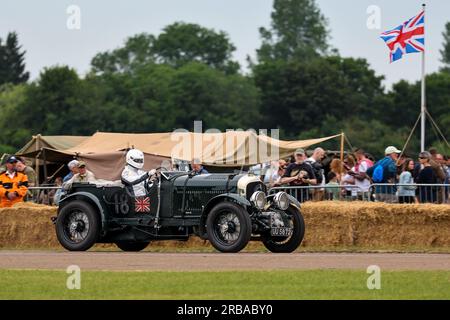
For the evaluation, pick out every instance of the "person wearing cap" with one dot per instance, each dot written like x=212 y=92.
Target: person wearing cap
x=389 y=167
x=83 y=176
x=13 y=184
x=300 y=173
x=73 y=167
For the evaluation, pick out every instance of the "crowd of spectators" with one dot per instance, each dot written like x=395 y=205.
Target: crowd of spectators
x=395 y=178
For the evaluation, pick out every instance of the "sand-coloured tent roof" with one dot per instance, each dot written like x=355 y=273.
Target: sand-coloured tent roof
x=233 y=148
x=104 y=152
x=50 y=142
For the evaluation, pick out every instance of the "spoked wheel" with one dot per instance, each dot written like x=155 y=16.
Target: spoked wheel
x=77 y=226
x=287 y=244
x=132 y=246
x=229 y=227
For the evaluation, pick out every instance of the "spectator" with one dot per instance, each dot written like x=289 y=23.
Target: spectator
x=316 y=163
x=13 y=184
x=83 y=176
x=55 y=194
x=197 y=167
x=348 y=178
x=31 y=176
x=275 y=173
x=442 y=160
x=406 y=193
x=359 y=172
x=336 y=167
x=300 y=173
x=437 y=168
x=426 y=176
x=332 y=188
x=73 y=167
x=385 y=171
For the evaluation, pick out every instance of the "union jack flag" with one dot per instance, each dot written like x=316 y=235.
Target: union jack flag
x=406 y=38
x=142 y=204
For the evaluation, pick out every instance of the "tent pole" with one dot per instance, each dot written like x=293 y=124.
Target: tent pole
x=342 y=150
x=37 y=159
x=45 y=166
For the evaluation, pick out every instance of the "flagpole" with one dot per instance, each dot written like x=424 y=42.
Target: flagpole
x=423 y=96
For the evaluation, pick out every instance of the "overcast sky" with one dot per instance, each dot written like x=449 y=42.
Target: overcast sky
x=42 y=29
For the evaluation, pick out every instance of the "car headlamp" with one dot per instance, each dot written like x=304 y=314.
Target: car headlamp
x=258 y=199
x=281 y=200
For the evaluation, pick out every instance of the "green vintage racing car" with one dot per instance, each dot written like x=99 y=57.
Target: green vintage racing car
x=227 y=209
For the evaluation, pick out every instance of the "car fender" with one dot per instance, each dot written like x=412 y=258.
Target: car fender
x=92 y=199
x=294 y=202
x=215 y=200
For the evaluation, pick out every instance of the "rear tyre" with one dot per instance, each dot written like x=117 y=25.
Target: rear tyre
x=132 y=246
x=229 y=227
x=290 y=244
x=77 y=226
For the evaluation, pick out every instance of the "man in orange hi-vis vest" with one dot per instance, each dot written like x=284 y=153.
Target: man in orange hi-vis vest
x=13 y=184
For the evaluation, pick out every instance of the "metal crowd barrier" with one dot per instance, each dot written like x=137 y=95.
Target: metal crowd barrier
x=381 y=192
x=43 y=194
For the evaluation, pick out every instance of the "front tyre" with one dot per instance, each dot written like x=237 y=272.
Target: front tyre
x=229 y=227
x=77 y=226
x=289 y=244
x=132 y=246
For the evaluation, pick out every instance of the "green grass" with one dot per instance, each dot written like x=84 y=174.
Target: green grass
x=312 y=284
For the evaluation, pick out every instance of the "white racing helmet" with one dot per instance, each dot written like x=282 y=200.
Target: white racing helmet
x=135 y=158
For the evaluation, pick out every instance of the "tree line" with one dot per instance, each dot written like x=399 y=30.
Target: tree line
x=156 y=83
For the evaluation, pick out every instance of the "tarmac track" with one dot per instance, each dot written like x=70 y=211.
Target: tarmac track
x=147 y=261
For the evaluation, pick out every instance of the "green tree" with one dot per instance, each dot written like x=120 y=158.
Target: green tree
x=137 y=50
x=298 y=95
x=298 y=29
x=445 y=52
x=14 y=133
x=12 y=61
x=178 y=44
x=181 y=43
x=403 y=105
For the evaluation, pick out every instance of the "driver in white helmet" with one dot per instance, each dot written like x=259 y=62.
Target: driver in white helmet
x=132 y=175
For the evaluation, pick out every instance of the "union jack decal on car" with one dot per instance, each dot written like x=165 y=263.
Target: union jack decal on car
x=142 y=204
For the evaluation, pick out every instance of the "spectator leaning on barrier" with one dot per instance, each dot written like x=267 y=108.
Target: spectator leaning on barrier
x=73 y=167
x=13 y=184
x=301 y=174
x=426 y=176
x=385 y=171
x=406 y=194
x=274 y=174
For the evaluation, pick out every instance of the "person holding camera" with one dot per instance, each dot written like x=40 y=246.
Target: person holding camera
x=300 y=174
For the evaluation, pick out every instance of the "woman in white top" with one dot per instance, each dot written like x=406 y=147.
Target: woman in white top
x=406 y=193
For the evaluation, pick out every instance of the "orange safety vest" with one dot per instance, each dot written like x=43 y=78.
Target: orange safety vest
x=18 y=185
